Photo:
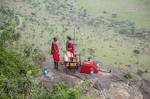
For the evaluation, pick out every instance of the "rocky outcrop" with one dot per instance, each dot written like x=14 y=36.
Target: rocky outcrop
x=102 y=86
x=114 y=86
x=145 y=89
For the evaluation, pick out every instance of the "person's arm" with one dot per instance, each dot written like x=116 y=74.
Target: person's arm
x=57 y=48
x=72 y=46
x=52 y=48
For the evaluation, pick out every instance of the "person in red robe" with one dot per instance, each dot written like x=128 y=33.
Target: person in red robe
x=55 y=52
x=70 y=45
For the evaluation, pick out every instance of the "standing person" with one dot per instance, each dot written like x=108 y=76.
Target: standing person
x=70 y=45
x=55 y=52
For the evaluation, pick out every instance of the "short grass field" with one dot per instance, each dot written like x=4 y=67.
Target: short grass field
x=117 y=50
x=137 y=11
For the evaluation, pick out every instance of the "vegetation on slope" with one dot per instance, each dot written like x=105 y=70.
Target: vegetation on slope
x=17 y=73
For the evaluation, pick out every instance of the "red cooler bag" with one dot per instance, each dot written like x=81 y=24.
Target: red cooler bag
x=86 y=67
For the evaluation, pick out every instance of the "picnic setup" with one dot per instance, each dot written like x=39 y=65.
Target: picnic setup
x=72 y=61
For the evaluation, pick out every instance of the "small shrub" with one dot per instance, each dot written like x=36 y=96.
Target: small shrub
x=37 y=56
x=146 y=71
x=114 y=15
x=58 y=91
x=85 y=85
x=74 y=93
x=136 y=51
x=27 y=50
x=127 y=75
x=131 y=82
x=137 y=62
x=140 y=72
x=104 y=12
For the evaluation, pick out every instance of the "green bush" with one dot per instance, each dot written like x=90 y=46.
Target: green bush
x=14 y=73
x=8 y=22
x=140 y=72
x=27 y=50
x=124 y=27
x=37 y=56
x=127 y=75
x=58 y=91
x=61 y=91
x=114 y=15
x=136 y=51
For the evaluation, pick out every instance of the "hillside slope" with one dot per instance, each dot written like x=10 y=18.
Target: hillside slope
x=99 y=29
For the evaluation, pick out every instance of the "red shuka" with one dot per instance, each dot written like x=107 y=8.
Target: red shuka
x=87 y=65
x=69 y=45
x=55 y=51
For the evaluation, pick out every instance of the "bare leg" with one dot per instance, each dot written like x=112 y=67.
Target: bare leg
x=55 y=65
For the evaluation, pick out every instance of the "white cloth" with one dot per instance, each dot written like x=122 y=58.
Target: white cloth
x=67 y=56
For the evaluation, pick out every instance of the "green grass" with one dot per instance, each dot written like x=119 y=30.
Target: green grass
x=107 y=55
x=141 y=19
x=137 y=11
x=119 y=55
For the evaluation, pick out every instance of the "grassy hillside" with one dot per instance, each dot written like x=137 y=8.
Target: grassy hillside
x=133 y=10
x=108 y=30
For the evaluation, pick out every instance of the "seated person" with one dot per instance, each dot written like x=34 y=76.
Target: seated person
x=67 y=56
x=69 y=60
x=89 y=61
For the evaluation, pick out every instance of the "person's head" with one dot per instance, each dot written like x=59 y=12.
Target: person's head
x=55 y=39
x=69 y=38
x=89 y=58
